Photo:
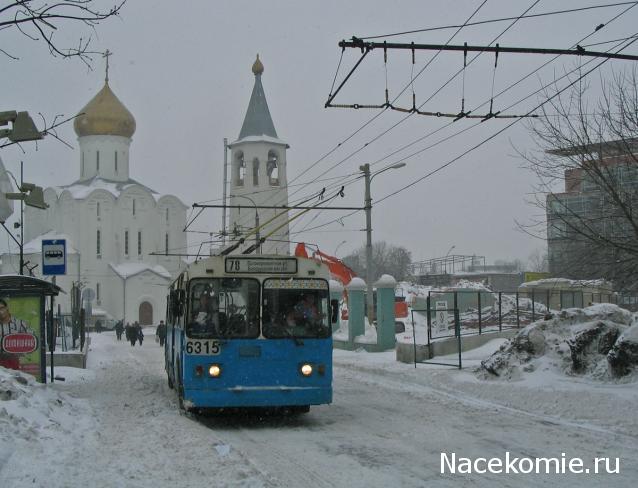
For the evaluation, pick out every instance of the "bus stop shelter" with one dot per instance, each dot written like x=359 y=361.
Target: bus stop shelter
x=23 y=302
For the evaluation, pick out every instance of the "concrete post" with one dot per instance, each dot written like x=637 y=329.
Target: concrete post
x=356 y=315
x=385 y=312
x=336 y=293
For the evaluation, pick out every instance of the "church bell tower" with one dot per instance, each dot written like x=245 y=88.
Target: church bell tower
x=258 y=176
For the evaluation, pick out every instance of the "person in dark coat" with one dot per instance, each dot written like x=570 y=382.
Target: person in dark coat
x=139 y=335
x=119 y=328
x=161 y=332
x=131 y=333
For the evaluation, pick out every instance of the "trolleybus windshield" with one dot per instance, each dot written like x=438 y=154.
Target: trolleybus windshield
x=223 y=308
x=297 y=308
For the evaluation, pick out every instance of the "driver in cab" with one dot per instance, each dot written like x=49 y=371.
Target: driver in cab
x=207 y=313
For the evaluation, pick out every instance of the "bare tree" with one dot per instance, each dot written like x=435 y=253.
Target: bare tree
x=537 y=261
x=38 y=20
x=587 y=168
x=386 y=259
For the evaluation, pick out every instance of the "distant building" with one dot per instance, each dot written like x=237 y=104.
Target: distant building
x=119 y=233
x=584 y=203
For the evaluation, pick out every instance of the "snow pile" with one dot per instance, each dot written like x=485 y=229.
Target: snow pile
x=30 y=410
x=599 y=342
x=469 y=285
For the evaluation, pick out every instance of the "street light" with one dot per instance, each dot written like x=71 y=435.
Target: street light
x=257 y=237
x=445 y=259
x=30 y=195
x=368 y=208
x=23 y=129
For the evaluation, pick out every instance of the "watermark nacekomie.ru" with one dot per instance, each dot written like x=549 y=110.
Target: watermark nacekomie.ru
x=510 y=464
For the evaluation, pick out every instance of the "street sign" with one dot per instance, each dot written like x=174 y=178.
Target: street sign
x=440 y=321
x=53 y=257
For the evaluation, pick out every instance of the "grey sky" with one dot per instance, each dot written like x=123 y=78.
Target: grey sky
x=184 y=71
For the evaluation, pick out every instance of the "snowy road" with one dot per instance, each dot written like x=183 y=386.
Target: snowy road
x=388 y=426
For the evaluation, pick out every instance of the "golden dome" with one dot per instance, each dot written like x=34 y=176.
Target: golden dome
x=258 y=68
x=104 y=115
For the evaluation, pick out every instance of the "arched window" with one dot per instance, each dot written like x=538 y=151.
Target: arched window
x=97 y=161
x=256 y=172
x=240 y=169
x=98 y=242
x=272 y=168
x=116 y=161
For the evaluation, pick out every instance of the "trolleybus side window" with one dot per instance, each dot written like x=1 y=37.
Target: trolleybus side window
x=223 y=308
x=296 y=308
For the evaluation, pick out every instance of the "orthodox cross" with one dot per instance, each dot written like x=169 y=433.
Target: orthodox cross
x=106 y=55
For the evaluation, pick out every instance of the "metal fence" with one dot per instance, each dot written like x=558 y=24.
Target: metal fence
x=484 y=311
x=457 y=313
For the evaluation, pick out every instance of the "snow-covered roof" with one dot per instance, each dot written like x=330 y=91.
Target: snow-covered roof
x=34 y=246
x=262 y=138
x=126 y=270
x=81 y=189
x=566 y=283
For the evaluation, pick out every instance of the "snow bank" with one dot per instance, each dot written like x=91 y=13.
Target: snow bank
x=30 y=410
x=598 y=342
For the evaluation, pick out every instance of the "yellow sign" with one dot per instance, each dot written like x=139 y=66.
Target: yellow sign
x=534 y=276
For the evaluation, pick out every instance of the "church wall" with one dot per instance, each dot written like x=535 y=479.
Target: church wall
x=149 y=287
x=136 y=208
x=107 y=147
x=173 y=225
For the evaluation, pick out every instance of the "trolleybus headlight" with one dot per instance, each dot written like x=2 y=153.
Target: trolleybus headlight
x=215 y=370
x=306 y=369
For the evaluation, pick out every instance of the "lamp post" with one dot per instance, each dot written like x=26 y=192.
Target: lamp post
x=257 y=236
x=30 y=195
x=446 y=255
x=368 y=208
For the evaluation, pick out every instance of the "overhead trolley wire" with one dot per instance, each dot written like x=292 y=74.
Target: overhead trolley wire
x=504 y=19
x=632 y=39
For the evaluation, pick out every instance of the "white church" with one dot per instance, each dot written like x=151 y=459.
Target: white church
x=119 y=233
x=123 y=240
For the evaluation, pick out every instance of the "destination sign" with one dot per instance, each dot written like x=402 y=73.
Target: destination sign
x=254 y=265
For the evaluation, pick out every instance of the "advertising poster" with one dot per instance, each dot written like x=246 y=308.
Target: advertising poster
x=20 y=345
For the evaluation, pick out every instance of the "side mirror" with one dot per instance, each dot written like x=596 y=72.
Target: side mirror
x=334 y=311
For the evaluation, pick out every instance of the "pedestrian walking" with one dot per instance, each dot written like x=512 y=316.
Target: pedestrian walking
x=160 y=332
x=131 y=333
x=119 y=328
x=139 y=335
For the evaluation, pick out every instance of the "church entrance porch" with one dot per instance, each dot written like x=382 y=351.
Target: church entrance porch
x=146 y=313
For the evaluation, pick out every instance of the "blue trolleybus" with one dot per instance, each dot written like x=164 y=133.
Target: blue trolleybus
x=250 y=331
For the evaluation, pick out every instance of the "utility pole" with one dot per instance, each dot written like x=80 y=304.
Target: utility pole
x=224 y=194
x=368 y=208
x=21 y=220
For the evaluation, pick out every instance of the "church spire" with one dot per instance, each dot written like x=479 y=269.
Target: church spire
x=258 y=121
